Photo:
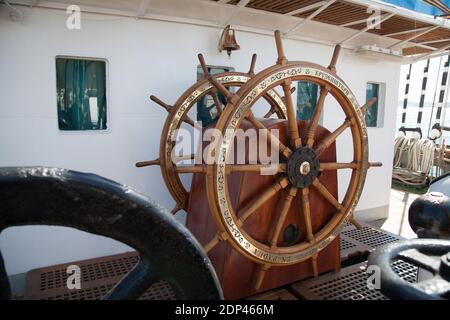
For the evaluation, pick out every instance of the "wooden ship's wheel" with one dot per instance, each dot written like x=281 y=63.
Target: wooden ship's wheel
x=264 y=230
x=178 y=114
x=300 y=176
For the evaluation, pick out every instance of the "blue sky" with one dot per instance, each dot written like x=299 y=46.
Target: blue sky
x=419 y=6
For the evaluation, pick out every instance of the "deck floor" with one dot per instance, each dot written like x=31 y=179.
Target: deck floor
x=397 y=222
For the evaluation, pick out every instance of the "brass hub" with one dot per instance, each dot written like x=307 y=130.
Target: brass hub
x=305 y=168
x=302 y=167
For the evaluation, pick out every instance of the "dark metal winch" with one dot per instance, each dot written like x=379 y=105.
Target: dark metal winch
x=429 y=216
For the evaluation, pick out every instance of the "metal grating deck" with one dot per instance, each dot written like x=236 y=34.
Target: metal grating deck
x=277 y=294
x=98 y=276
x=360 y=242
x=348 y=284
x=370 y=236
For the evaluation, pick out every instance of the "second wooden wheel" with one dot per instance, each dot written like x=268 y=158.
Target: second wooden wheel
x=178 y=114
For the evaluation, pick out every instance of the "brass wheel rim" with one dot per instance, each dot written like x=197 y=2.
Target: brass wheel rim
x=220 y=204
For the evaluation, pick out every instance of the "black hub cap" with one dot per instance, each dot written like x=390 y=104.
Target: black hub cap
x=302 y=167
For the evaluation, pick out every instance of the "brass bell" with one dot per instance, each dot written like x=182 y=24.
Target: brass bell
x=228 y=40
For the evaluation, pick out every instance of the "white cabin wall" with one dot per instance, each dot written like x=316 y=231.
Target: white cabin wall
x=144 y=57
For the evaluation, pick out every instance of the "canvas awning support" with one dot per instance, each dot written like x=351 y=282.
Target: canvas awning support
x=435 y=41
x=432 y=54
x=413 y=37
x=310 y=17
x=144 y=5
x=404 y=32
x=241 y=4
x=370 y=26
x=306 y=9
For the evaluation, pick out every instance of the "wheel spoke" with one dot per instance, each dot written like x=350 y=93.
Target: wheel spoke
x=269 y=135
x=281 y=167
x=222 y=89
x=270 y=112
x=326 y=194
x=177 y=159
x=284 y=98
x=161 y=103
x=292 y=119
x=188 y=120
x=213 y=92
x=324 y=166
x=328 y=140
x=314 y=265
x=375 y=164
x=261 y=273
x=191 y=169
x=148 y=163
x=287 y=201
x=215 y=241
x=251 y=207
x=251 y=70
x=201 y=59
x=280 y=51
x=337 y=165
x=353 y=221
x=367 y=105
x=169 y=108
x=334 y=58
x=309 y=231
x=307 y=214
x=177 y=208
x=314 y=122
x=421 y=260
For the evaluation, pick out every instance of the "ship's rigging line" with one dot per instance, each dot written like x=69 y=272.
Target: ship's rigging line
x=422 y=96
x=434 y=98
x=439 y=122
x=414 y=157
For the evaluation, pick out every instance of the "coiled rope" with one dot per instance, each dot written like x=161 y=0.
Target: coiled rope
x=413 y=160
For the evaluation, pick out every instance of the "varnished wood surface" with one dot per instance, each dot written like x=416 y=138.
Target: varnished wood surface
x=237 y=273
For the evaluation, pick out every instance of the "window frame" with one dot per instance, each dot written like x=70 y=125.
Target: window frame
x=381 y=103
x=107 y=94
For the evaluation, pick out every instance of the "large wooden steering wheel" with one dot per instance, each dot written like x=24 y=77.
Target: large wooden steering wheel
x=299 y=175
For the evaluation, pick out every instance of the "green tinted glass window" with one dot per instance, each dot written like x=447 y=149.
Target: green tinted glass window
x=81 y=94
x=206 y=109
x=306 y=99
x=372 y=90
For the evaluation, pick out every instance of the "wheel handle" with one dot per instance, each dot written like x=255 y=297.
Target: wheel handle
x=88 y=202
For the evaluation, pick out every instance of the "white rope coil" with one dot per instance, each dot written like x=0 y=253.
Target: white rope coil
x=413 y=160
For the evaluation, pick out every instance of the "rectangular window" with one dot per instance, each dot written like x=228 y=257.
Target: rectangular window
x=81 y=94
x=306 y=99
x=206 y=109
x=374 y=114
